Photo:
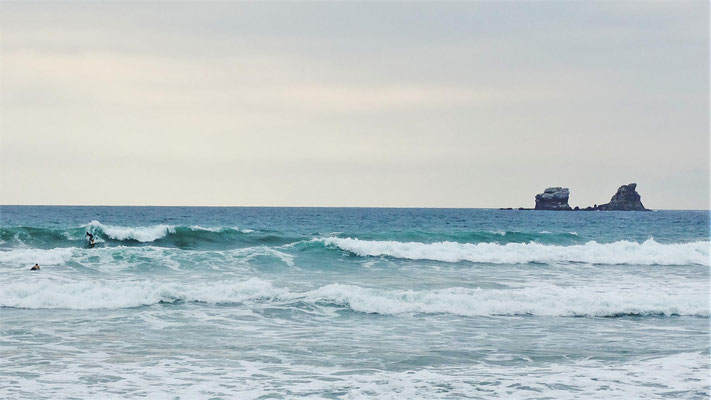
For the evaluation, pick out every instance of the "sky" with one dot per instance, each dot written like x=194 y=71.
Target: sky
x=466 y=104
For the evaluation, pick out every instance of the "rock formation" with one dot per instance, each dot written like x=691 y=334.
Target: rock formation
x=556 y=199
x=553 y=198
x=626 y=199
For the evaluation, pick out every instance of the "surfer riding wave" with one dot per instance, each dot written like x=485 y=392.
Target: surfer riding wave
x=91 y=239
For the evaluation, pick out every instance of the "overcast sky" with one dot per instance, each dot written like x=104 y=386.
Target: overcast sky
x=480 y=104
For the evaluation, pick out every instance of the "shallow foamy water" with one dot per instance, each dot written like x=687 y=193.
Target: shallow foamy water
x=349 y=303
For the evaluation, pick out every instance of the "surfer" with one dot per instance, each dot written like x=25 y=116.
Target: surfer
x=35 y=267
x=91 y=238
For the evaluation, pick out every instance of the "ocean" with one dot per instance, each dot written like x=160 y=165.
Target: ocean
x=349 y=303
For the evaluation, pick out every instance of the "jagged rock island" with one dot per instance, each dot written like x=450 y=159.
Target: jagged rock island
x=556 y=199
x=553 y=198
x=626 y=199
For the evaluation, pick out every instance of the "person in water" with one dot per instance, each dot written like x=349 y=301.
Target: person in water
x=35 y=267
x=91 y=238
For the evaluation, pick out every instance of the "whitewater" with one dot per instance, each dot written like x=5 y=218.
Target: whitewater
x=192 y=302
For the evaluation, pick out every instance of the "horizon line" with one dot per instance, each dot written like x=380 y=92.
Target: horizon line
x=277 y=206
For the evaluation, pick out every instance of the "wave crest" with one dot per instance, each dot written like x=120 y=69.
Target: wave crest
x=153 y=233
x=544 y=300
x=43 y=257
x=621 y=252
x=140 y=234
x=87 y=295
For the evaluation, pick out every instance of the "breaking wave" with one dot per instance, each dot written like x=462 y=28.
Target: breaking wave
x=155 y=232
x=161 y=234
x=56 y=256
x=616 y=253
x=544 y=300
x=143 y=257
x=649 y=252
x=140 y=234
x=196 y=236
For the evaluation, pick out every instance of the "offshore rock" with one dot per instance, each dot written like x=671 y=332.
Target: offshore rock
x=553 y=198
x=626 y=199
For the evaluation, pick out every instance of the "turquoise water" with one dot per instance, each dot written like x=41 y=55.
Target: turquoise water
x=181 y=302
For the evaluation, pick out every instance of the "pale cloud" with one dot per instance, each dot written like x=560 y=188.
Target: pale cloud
x=478 y=104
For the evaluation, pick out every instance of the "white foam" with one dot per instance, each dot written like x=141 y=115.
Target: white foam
x=42 y=257
x=200 y=375
x=128 y=258
x=138 y=233
x=544 y=300
x=220 y=229
x=99 y=294
x=202 y=228
x=622 y=252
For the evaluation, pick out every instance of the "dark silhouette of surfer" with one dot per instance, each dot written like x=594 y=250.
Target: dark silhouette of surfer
x=91 y=238
x=35 y=267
